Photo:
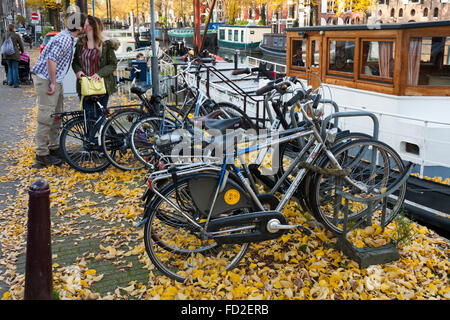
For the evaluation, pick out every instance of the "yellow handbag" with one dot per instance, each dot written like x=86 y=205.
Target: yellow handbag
x=90 y=87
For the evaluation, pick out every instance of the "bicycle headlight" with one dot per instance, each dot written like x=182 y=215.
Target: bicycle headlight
x=331 y=135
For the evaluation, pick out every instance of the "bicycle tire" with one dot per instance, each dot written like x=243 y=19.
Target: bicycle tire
x=89 y=156
x=174 y=245
x=357 y=155
x=143 y=134
x=115 y=139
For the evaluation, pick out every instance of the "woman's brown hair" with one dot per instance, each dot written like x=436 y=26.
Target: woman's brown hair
x=97 y=27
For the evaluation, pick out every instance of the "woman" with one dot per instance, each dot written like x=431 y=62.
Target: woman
x=95 y=58
x=12 y=61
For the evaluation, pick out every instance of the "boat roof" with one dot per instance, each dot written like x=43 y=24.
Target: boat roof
x=243 y=26
x=375 y=26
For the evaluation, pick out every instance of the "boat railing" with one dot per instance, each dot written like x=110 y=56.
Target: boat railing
x=421 y=157
x=222 y=86
x=277 y=67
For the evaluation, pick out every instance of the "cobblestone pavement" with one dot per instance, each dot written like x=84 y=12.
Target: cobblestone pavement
x=14 y=106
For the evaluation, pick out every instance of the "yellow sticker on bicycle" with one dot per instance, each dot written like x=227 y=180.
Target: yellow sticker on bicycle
x=232 y=196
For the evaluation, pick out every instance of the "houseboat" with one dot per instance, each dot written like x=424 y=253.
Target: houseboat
x=274 y=44
x=244 y=38
x=400 y=73
x=125 y=37
x=187 y=36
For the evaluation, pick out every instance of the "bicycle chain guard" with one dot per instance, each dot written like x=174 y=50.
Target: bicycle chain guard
x=257 y=234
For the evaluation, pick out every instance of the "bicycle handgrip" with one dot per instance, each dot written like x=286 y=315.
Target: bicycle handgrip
x=264 y=89
x=241 y=71
x=316 y=101
x=298 y=96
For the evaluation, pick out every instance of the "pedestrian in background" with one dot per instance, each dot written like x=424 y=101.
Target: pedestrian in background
x=49 y=72
x=12 y=60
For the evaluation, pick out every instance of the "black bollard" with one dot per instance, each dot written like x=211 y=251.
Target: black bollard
x=38 y=268
x=236 y=57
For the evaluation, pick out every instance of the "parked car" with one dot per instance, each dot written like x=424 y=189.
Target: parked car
x=47 y=38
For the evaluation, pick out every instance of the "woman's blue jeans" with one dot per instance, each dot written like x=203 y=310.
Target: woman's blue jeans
x=13 y=72
x=92 y=109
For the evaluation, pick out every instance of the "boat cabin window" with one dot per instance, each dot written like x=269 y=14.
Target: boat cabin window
x=236 y=35
x=299 y=53
x=429 y=61
x=230 y=32
x=242 y=35
x=378 y=59
x=222 y=34
x=341 y=55
x=315 y=53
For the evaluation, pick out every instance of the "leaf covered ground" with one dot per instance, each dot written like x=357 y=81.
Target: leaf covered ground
x=98 y=253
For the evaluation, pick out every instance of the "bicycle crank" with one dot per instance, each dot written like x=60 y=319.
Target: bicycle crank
x=249 y=227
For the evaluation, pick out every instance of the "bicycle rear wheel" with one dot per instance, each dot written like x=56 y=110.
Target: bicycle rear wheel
x=116 y=139
x=374 y=168
x=80 y=151
x=176 y=246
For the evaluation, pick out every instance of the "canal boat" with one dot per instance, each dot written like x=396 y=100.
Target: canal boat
x=274 y=44
x=243 y=38
x=400 y=73
x=186 y=35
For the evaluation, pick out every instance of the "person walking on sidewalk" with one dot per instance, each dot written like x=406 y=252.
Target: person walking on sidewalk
x=49 y=72
x=95 y=58
x=12 y=60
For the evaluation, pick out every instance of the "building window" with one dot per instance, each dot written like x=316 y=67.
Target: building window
x=429 y=61
x=341 y=56
x=380 y=13
x=392 y=12
x=378 y=59
x=425 y=12
x=413 y=12
x=298 y=53
x=436 y=12
x=400 y=12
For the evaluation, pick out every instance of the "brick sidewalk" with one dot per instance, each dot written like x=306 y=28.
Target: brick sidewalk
x=77 y=238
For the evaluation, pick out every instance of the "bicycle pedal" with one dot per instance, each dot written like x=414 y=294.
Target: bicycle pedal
x=274 y=225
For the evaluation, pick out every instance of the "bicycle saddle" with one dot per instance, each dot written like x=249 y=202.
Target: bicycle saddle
x=222 y=125
x=139 y=90
x=209 y=116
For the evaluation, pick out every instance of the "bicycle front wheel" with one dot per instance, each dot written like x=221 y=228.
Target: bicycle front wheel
x=116 y=139
x=176 y=246
x=143 y=136
x=374 y=168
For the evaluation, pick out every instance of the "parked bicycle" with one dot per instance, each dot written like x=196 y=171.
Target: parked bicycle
x=204 y=216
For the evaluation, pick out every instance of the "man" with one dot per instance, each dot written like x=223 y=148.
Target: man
x=12 y=61
x=49 y=72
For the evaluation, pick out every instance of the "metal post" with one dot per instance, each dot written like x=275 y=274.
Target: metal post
x=38 y=269
x=154 y=58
